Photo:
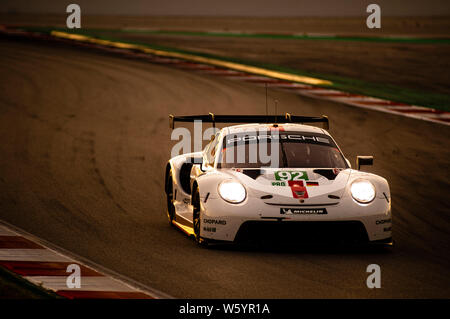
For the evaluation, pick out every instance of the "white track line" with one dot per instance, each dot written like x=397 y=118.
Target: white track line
x=91 y=283
x=7 y=254
x=6 y=232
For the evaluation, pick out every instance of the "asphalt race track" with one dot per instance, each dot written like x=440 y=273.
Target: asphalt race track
x=84 y=138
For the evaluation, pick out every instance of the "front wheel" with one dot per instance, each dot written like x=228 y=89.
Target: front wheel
x=197 y=224
x=169 y=195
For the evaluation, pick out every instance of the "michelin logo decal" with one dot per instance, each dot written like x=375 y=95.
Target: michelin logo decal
x=303 y=211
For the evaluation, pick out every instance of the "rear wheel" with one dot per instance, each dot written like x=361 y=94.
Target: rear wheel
x=169 y=195
x=196 y=220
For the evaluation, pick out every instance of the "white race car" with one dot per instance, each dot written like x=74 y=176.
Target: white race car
x=229 y=193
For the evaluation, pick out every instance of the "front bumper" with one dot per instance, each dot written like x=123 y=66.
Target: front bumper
x=344 y=222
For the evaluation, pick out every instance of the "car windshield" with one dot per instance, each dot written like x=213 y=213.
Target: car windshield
x=280 y=149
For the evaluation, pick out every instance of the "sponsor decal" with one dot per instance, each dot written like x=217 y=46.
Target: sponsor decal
x=210 y=229
x=383 y=221
x=298 y=189
x=215 y=221
x=312 y=184
x=303 y=211
x=293 y=137
x=282 y=183
x=291 y=175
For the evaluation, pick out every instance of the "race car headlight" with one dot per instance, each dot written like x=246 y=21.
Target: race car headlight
x=362 y=191
x=232 y=192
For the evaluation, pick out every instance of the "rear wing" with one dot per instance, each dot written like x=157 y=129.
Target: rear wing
x=286 y=118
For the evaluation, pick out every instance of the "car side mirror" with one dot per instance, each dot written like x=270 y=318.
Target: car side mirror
x=363 y=160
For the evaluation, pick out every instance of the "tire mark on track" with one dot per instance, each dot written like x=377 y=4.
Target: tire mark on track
x=87 y=143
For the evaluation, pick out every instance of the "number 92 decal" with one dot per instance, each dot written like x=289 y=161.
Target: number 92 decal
x=291 y=175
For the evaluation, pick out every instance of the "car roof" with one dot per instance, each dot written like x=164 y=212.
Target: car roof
x=280 y=126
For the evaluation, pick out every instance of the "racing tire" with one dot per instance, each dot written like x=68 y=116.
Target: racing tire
x=196 y=220
x=169 y=195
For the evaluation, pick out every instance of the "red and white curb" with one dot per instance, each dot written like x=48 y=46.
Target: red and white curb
x=357 y=100
x=31 y=258
x=362 y=101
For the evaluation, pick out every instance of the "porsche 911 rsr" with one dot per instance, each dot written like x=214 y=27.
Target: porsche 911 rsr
x=229 y=192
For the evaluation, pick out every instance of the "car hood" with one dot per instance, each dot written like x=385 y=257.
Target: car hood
x=293 y=186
